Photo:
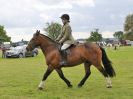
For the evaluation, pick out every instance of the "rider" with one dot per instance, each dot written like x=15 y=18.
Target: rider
x=65 y=38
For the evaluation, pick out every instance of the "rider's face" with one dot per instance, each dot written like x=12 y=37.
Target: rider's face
x=64 y=21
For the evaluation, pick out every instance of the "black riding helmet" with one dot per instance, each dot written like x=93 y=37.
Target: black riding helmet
x=65 y=16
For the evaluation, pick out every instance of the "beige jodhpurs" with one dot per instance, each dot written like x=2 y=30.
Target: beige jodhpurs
x=65 y=46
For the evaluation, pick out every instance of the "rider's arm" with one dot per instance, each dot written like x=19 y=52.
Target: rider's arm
x=59 y=36
x=66 y=34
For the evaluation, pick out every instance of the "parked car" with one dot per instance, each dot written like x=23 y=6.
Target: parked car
x=20 y=51
x=6 y=45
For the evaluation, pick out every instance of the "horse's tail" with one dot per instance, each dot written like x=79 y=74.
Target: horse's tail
x=107 y=64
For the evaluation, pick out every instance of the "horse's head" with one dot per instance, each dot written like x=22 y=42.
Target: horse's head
x=34 y=42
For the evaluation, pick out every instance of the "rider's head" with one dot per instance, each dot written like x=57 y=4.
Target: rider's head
x=65 y=18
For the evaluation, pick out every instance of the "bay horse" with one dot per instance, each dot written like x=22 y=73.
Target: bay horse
x=87 y=53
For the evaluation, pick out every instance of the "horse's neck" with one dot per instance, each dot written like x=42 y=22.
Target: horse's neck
x=47 y=47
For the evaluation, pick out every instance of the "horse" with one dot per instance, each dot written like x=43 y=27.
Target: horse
x=87 y=53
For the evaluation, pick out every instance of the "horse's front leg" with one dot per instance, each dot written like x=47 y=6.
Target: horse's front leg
x=59 y=71
x=47 y=73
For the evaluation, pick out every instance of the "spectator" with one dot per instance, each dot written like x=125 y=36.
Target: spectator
x=3 y=52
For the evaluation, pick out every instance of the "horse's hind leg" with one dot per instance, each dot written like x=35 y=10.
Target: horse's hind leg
x=59 y=71
x=87 y=73
x=104 y=73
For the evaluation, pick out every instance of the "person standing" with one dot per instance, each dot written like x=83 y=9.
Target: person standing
x=4 y=52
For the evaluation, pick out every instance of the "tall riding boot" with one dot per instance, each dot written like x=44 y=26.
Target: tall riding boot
x=64 y=58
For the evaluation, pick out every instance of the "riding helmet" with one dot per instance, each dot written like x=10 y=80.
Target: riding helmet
x=65 y=16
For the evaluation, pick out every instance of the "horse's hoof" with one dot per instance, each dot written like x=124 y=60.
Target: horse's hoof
x=40 y=88
x=108 y=86
x=79 y=86
x=70 y=86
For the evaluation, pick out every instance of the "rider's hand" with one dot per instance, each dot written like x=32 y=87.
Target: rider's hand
x=57 y=40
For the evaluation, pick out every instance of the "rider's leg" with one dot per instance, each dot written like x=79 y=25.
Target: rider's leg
x=64 y=54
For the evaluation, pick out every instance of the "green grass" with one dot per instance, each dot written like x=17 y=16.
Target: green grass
x=19 y=79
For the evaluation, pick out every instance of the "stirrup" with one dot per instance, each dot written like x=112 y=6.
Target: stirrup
x=63 y=63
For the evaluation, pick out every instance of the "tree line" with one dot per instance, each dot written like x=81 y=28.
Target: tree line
x=53 y=29
x=128 y=29
x=3 y=35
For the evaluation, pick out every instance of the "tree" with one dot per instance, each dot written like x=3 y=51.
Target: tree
x=118 y=35
x=128 y=36
x=95 y=36
x=128 y=27
x=3 y=35
x=53 y=30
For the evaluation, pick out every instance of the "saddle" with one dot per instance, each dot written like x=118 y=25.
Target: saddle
x=67 y=51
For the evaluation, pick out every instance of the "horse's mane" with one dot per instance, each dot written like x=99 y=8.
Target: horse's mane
x=49 y=38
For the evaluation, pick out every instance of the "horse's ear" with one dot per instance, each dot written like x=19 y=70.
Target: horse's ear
x=37 y=32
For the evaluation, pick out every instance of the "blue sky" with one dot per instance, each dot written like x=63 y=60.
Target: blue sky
x=22 y=18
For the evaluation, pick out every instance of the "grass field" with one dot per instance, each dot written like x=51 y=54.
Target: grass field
x=19 y=79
